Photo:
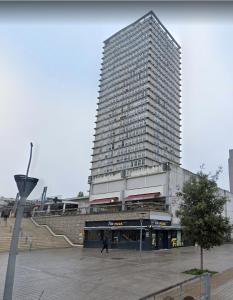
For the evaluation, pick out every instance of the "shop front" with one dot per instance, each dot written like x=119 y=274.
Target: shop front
x=125 y=234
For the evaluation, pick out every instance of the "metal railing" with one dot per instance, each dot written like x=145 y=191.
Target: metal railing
x=92 y=210
x=196 y=288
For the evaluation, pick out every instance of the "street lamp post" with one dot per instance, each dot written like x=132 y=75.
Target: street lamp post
x=141 y=223
x=25 y=186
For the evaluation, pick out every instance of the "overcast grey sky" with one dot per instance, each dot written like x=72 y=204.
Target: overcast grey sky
x=49 y=70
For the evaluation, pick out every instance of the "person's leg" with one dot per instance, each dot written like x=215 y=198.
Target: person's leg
x=106 y=248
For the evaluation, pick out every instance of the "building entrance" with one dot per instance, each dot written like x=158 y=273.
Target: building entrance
x=115 y=239
x=162 y=239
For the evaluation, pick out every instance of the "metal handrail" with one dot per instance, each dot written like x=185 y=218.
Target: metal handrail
x=173 y=286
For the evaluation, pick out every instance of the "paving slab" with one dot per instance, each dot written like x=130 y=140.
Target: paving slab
x=86 y=274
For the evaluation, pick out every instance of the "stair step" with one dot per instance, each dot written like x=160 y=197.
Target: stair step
x=41 y=238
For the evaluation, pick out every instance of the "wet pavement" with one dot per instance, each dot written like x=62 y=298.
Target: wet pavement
x=86 y=274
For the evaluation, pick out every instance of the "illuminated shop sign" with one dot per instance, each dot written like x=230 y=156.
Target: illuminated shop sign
x=116 y=223
x=160 y=223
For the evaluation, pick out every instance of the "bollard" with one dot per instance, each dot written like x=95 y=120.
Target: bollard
x=206 y=279
x=181 y=292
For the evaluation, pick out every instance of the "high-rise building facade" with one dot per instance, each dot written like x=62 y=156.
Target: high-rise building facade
x=138 y=114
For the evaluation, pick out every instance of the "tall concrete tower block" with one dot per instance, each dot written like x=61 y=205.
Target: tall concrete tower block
x=138 y=114
x=230 y=166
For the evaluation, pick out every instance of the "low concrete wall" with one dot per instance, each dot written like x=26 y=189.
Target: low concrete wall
x=73 y=226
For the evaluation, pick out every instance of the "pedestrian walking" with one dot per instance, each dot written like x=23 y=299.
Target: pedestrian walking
x=5 y=216
x=105 y=244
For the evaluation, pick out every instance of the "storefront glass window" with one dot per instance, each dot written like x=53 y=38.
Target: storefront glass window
x=132 y=235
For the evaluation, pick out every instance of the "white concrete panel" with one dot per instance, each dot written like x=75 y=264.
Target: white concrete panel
x=100 y=188
x=138 y=182
x=116 y=186
x=156 y=179
x=155 y=189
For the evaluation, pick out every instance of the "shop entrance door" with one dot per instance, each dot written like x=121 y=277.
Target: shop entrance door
x=162 y=239
x=115 y=239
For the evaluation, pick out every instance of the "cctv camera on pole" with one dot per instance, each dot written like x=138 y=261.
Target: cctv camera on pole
x=25 y=186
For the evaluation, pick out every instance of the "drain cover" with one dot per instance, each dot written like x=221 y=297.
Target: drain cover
x=117 y=258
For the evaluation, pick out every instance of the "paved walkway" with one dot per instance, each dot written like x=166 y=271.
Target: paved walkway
x=224 y=292
x=85 y=274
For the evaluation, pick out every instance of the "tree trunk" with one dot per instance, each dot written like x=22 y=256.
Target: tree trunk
x=201 y=254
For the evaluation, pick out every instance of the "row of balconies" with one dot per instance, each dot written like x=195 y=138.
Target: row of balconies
x=154 y=64
x=121 y=84
x=119 y=129
x=110 y=121
x=163 y=53
x=117 y=158
x=122 y=136
x=165 y=65
x=118 y=124
x=153 y=53
x=132 y=95
x=125 y=35
x=123 y=74
x=122 y=108
x=164 y=115
x=165 y=35
x=173 y=50
x=134 y=59
x=161 y=143
x=153 y=138
x=129 y=51
x=162 y=102
x=155 y=89
x=117 y=132
x=149 y=160
x=151 y=144
x=125 y=67
x=119 y=121
x=167 y=138
x=129 y=149
x=171 y=94
x=166 y=130
x=134 y=88
x=164 y=74
x=131 y=44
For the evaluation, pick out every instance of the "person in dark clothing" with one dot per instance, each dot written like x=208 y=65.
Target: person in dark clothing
x=5 y=215
x=105 y=244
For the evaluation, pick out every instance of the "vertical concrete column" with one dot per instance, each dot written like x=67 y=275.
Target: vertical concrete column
x=230 y=167
x=122 y=199
x=64 y=207
x=122 y=194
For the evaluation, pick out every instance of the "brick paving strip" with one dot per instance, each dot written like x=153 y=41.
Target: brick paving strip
x=221 y=278
x=222 y=285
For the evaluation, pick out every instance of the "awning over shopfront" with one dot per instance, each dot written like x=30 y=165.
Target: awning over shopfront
x=143 y=196
x=172 y=227
x=104 y=200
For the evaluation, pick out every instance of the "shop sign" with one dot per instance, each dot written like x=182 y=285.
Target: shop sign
x=161 y=223
x=116 y=223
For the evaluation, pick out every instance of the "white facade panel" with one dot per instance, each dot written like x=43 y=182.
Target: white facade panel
x=145 y=190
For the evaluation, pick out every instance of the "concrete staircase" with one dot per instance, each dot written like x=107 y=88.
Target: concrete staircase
x=31 y=237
